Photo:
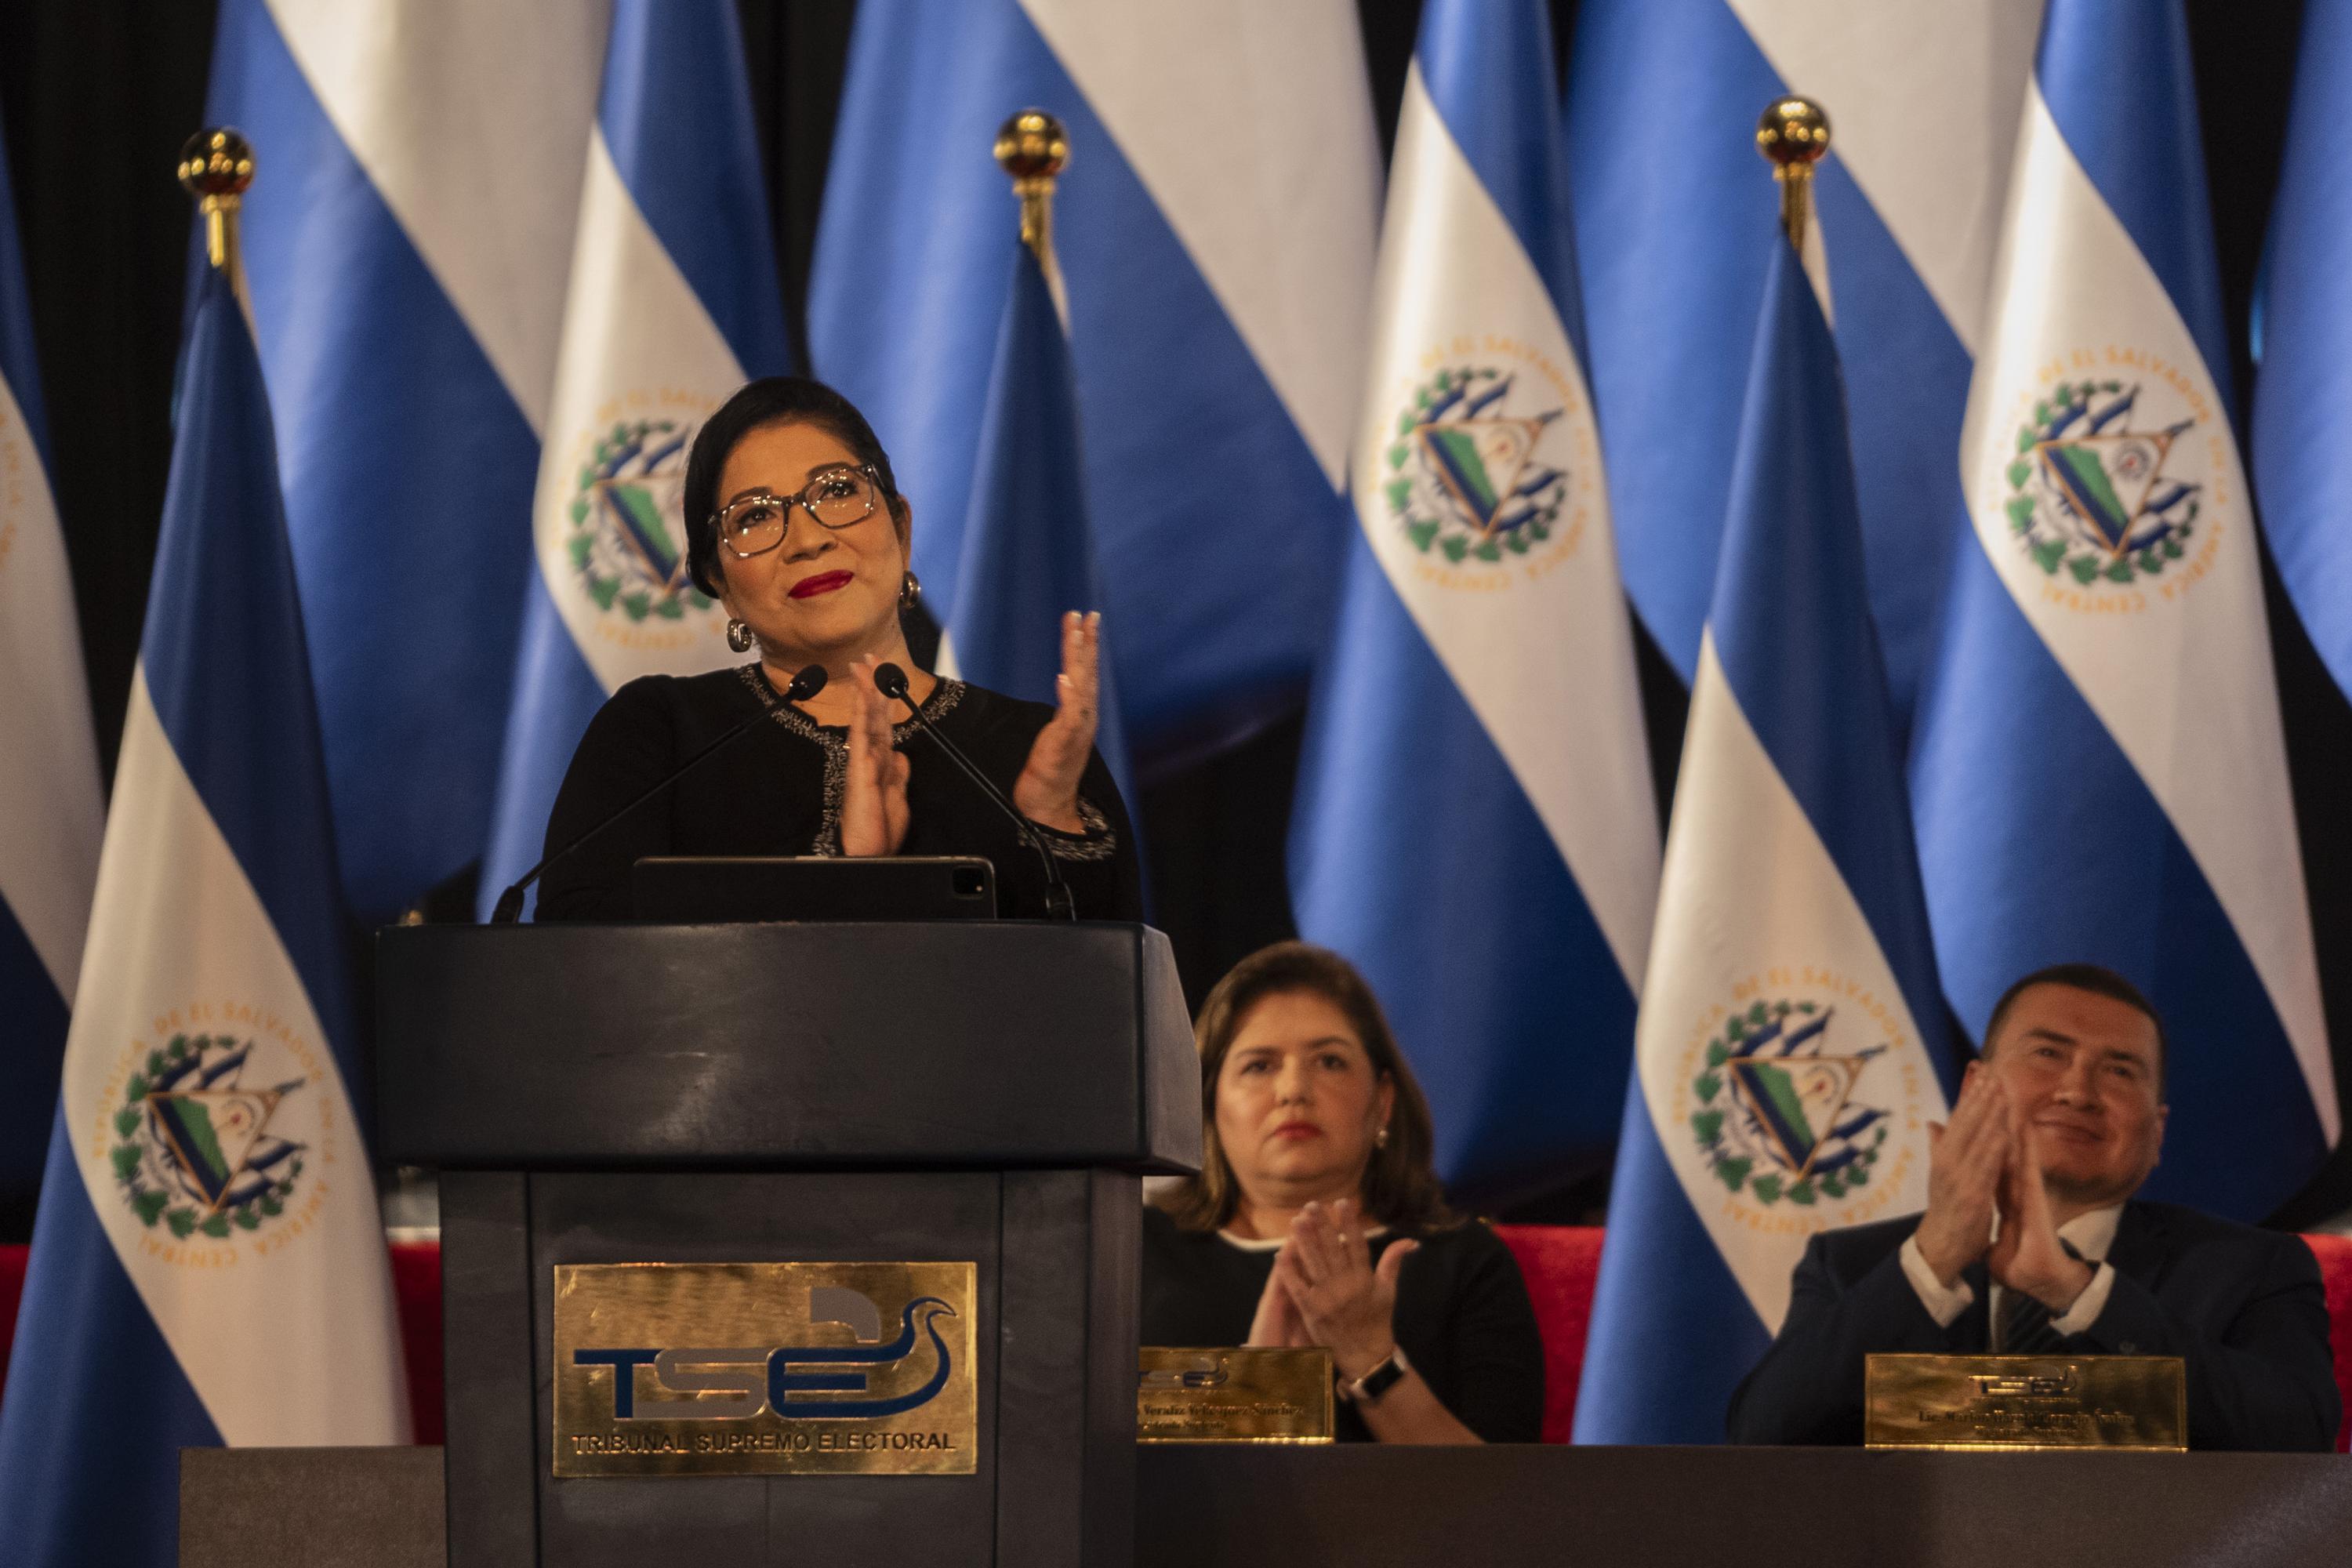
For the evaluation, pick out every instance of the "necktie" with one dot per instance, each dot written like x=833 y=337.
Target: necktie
x=2024 y=1327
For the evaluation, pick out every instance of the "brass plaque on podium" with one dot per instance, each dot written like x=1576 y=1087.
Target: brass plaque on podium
x=739 y=1369
x=1993 y=1403
x=1233 y=1395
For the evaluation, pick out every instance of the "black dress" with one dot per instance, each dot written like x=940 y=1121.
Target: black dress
x=1461 y=1315
x=777 y=791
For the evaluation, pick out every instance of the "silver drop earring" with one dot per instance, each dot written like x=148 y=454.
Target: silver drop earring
x=739 y=635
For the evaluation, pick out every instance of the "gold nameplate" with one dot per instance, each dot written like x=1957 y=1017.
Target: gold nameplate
x=743 y=1369
x=1240 y=1394
x=2009 y=1402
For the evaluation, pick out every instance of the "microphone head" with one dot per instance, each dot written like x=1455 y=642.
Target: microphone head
x=890 y=681
x=806 y=684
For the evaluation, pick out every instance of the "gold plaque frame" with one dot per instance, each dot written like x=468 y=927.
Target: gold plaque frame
x=2022 y=1403
x=712 y=1350
x=1247 y=1394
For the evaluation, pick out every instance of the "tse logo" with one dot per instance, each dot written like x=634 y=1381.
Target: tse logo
x=725 y=1382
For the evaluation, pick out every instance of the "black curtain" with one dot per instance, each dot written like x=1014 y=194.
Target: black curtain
x=96 y=96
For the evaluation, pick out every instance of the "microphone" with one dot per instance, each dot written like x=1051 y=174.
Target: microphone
x=805 y=685
x=891 y=682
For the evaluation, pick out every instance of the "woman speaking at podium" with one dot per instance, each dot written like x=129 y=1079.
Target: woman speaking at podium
x=796 y=527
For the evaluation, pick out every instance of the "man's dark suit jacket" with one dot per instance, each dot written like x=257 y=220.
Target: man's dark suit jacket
x=2244 y=1307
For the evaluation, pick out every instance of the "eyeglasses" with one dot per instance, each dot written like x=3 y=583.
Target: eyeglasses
x=836 y=497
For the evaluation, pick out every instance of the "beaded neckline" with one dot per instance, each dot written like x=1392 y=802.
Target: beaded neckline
x=945 y=695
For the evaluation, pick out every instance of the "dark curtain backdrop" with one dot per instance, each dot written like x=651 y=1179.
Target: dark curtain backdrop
x=98 y=96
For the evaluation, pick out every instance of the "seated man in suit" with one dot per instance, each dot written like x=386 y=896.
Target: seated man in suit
x=2032 y=1242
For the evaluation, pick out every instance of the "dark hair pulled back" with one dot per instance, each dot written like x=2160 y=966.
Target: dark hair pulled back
x=771 y=400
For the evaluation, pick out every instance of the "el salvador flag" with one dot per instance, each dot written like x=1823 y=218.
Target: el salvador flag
x=49 y=795
x=1029 y=548
x=1792 y=1045
x=1475 y=825
x=673 y=306
x=2099 y=771
x=1662 y=104
x=1216 y=231
x=208 y=1266
x=2302 y=395
x=406 y=262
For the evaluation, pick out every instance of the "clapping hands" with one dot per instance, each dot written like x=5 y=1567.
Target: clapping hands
x=1326 y=1290
x=874 y=792
x=1983 y=1164
x=1047 y=790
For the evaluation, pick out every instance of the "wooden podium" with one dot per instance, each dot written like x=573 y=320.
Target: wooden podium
x=853 y=1094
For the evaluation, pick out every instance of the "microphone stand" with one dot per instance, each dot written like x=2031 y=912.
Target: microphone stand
x=891 y=681
x=509 y=909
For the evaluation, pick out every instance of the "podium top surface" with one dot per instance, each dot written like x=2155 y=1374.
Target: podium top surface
x=951 y=1044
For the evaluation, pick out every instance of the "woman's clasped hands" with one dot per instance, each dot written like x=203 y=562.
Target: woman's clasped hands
x=1326 y=1290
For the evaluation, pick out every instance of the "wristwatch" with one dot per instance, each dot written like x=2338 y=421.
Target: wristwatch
x=1385 y=1375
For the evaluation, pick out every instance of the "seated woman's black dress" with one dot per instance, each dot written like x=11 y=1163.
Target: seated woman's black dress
x=777 y=791
x=1461 y=1315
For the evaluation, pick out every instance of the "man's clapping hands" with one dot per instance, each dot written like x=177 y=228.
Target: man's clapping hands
x=1985 y=1164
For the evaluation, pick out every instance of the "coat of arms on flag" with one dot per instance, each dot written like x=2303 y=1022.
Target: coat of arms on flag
x=2102 y=492
x=1791 y=1093
x=628 y=538
x=1474 y=471
x=1778 y=1112
x=198 y=1149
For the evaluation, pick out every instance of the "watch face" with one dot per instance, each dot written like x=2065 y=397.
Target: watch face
x=1380 y=1380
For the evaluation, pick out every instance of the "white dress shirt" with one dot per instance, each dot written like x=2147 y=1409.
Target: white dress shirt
x=2090 y=1235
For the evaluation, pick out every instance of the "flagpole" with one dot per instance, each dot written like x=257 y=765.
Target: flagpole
x=216 y=167
x=1792 y=135
x=1033 y=148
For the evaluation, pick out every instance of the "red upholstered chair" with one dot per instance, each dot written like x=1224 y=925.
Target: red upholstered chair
x=2335 y=1255
x=416 y=1288
x=12 y=1296
x=1559 y=1263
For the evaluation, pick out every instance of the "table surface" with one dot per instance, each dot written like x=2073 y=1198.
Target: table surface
x=1370 y=1507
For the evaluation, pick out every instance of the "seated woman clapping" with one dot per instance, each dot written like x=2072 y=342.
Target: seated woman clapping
x=1317 y=1218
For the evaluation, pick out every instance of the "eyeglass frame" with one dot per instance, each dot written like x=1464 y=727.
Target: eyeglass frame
x=800 y=498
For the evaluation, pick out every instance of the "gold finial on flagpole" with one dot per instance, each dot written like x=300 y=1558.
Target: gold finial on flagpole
x=216 y=167
x=1033 y=148
x=1793 y=135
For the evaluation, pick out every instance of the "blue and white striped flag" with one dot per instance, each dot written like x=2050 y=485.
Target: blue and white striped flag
x=2303 y=393
x=1029 y=547
x=406 y=261
x=673 y=305
x=1791 y=1046
x=2099 y=770
x=1216 y=228
x=1475 y=825
x=1662 y=105
x=49 y=795
x=208 y=1266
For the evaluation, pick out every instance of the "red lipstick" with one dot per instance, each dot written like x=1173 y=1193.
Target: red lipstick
x=821 y=582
